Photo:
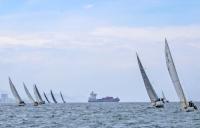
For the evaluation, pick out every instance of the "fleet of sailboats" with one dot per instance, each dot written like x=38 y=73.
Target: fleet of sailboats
x=155 y=100
x=38 y=97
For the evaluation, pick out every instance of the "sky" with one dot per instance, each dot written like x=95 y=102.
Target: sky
x=79 y=46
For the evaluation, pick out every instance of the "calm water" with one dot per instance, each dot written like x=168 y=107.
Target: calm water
x=97 y=115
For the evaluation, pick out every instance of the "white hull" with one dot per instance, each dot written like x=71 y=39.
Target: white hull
x=21 y=104
x=39 y=103
x=189 y=109
x=35 y=104
x=158 y=104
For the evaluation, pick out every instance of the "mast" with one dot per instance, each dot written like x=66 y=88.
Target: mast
x=163 y=95
x=46 y=97
x=62 y=97
x=28 y=93
x=150 y=90
x=174 y=76
x=54 y=99
x=14 y=92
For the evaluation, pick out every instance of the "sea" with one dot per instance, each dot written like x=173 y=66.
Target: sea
x=97 y=115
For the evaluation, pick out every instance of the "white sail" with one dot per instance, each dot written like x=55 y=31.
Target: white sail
x=46 y=97
x=62 y=97
x=150 y=90
x=37 y=95
x=28 y=93
x=174 y=76
x=14 y=92
x=54 y=99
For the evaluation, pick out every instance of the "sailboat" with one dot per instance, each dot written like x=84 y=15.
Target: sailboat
x=35 y=103
x=155 y=101
x=164 y=98
x=46 y=98
x=54 y=99
x=62 y=97
x=185 y=105
x=37 y=95
x=20 y=102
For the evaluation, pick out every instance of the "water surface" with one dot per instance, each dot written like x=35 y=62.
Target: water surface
x=97 y=115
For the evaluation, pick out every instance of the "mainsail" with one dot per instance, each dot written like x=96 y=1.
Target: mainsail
x=28 y=93
x=37 y=95
x=151 y=92
x=54 y=99
x=46 y=97
x=174 y=76
x=14 y=92
x=62 y=97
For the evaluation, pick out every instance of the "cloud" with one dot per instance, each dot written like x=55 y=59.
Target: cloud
x=150 y=34
x=31 y=2
x=88 y=6
x=107 y=37
x=22 y=40
x=110 y=41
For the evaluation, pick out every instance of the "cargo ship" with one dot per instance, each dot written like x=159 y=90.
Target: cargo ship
x=93 y=98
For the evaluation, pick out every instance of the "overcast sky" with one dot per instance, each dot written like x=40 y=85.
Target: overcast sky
x=76 y=46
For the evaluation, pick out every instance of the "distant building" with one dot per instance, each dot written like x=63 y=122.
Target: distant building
x=4 y=98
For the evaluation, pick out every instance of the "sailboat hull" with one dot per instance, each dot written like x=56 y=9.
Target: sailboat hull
x=35 y=104
x=43 y=102
x=189 y=109
x=21 y=104
x=158 y=104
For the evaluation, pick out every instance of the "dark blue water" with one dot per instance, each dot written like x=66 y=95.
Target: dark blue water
x=97 y=115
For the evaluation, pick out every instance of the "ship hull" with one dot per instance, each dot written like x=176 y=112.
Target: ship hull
x=104 y=100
